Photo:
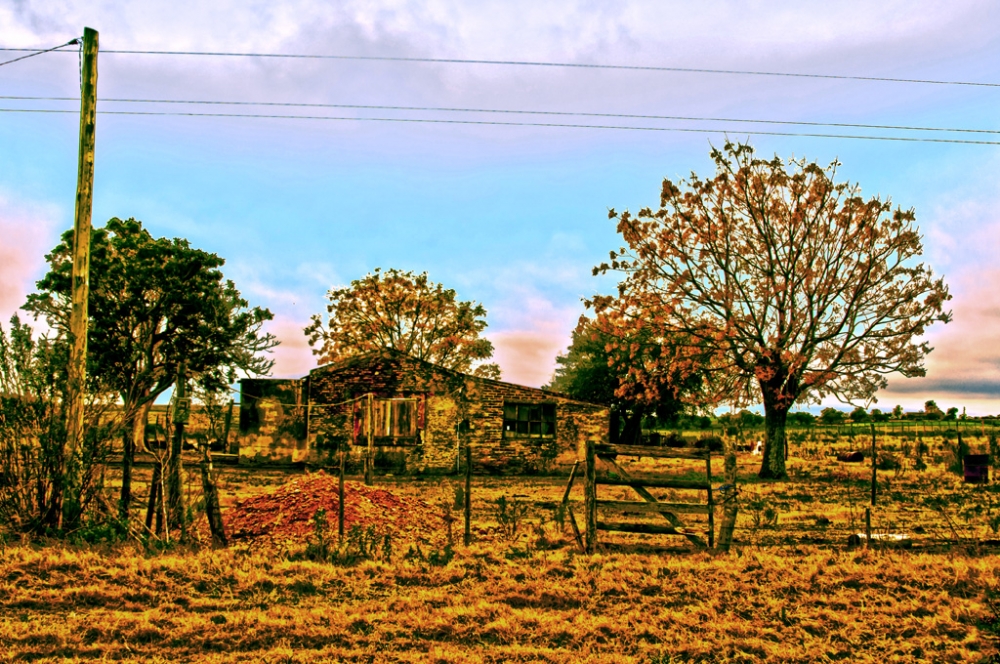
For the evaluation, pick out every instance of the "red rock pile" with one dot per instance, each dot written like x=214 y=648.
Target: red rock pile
x=286 y=514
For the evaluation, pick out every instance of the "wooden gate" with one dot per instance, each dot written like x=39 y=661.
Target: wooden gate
x=649 y=503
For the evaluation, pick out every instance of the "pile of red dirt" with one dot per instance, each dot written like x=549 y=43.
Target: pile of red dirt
x=287 y=513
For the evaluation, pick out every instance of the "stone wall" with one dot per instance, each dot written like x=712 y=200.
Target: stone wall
x=272 y=421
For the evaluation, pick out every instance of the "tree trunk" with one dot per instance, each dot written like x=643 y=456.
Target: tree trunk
x=155 y=494
x=773 y=464
x=128 y=459
x=133 y=431
x=210 y=491
x=175 y=501
x=632 y=433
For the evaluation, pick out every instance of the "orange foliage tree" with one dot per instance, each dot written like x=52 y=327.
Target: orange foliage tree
x=780 y=283
x=406 y=312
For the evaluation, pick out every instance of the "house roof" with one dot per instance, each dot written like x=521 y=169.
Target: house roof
x=391 y=353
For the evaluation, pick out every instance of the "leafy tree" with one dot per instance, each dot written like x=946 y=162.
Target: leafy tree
x=859 y=414
x=787 y=285
x=931 y=410
x=154 y=303
x=951 y=414
x=831 y=416
x=595 y=368
x=750 y=419
x=897 y=412
x=801 y=418
x=407 y=312
x=878 y=416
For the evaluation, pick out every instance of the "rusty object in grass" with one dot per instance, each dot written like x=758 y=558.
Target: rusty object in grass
x=851 y=457
x=976 y=468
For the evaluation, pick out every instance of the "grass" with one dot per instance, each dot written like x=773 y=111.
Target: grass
x=801 y=605
x=789 y=591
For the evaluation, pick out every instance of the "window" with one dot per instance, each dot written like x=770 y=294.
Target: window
x=395 y=421
x=529 y=420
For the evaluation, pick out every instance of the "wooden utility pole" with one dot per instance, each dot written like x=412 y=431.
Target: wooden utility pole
x=80 y=283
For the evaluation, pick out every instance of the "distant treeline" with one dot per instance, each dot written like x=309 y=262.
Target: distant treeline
x=831 y=418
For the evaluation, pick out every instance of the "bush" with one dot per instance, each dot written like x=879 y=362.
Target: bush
x=672 y=439
x=713 y=443
x=888 y=461
x=509 y=515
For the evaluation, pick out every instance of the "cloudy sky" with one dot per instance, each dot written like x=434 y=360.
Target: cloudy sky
x=514 y=217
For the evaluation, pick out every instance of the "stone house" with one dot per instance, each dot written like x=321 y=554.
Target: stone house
x=421 y=414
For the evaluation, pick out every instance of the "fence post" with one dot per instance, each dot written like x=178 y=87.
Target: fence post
x=590 y=496
x=730 y=506
x=711 y=502
x=340 y=496
x=874 y=467
x=370 y=430
x=468 y=494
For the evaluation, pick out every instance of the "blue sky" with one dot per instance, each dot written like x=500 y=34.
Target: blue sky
x=513 y=217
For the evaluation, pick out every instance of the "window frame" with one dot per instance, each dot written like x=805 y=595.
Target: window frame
x=529 y=420
x=394 y=407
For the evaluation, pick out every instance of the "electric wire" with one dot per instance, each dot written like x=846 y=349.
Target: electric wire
x=534 y=63
x=698 y=130
x=446 y=109
x=34 y=52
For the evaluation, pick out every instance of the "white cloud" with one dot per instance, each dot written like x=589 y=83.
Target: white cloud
x=27 y=233
x=293 y=358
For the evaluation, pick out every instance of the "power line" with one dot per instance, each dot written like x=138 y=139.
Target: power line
x=532 y=63
x=906 y=139
x=34 y=52
x=446 y=109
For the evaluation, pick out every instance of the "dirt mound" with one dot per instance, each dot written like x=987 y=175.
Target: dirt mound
x=286 y=514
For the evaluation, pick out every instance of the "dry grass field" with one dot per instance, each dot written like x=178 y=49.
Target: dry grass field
x=790 y=590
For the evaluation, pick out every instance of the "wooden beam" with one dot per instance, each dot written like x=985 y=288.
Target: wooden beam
x=652 y=452
x=569 y=484
x=655 y=484
x=645 y=528
x=648 y=508
x=576 y=529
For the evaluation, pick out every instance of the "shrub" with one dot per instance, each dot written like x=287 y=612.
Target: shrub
x=713 y=443
x=509 y=515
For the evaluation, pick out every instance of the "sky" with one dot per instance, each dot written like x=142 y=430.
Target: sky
x=512 y=217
